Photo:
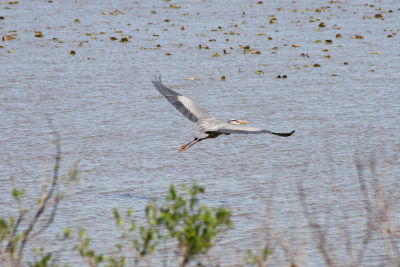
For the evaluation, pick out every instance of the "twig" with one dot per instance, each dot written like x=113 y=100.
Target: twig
x=368 y=209
x=46 y=198
x=319 y=236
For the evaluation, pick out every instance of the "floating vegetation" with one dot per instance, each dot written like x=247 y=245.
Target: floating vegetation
x=328 y=41
x=247 y=49
x=113 y=13
x=217 y=30
x=273 y=21
x=38 y=34
x=222 y=78
x=322 y=25
x=174 y=6
x=72 y=52
x=77 y=21
x=231 y=33
x=9 y=37
x=358 y=36
x=112 y=38
x=295 y=45
x=281 y=76
x=216 y=55
x=316 y=65
x=338 y=35
x=259 y=72
x=168 y=54
x=203 y=46
x=124 y=39
x=55 y=39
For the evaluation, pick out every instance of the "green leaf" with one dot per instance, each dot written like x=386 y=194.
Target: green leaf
x=17 y=194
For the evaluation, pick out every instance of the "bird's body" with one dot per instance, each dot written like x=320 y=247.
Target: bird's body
x=209 y=127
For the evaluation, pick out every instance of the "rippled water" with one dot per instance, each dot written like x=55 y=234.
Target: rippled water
x=109 y=115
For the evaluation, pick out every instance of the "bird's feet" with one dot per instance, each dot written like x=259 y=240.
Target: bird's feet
x=191 y=143
x=183 y=148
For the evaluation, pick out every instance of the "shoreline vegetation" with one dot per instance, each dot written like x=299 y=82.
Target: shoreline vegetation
x=179 y=222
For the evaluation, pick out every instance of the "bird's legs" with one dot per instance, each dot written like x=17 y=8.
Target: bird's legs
x=191 y=143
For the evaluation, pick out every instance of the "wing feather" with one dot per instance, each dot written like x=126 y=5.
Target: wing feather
x=182 y=103
x=241 y=129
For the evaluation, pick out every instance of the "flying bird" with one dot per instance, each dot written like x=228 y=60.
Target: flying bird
x=209 y=127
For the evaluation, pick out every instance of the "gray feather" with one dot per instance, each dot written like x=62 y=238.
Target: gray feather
x=185 y=105
x=240 y=129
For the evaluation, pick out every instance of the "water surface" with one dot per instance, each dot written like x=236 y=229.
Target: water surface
x=127 y=136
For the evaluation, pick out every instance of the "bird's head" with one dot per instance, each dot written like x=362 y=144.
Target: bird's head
x=236 y=122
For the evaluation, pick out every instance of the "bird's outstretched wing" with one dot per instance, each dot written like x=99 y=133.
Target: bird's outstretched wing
x=185 y=105
x=241 y=129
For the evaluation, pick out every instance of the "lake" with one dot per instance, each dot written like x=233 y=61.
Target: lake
x=341 y=94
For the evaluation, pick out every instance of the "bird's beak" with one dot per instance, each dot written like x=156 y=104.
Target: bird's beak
x=243 y=122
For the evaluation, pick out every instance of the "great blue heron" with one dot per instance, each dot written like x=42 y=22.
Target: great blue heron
x=209 y=126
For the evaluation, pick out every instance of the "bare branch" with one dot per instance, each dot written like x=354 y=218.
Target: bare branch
x=51 y=216
x=46 y=198
x=318 y=234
